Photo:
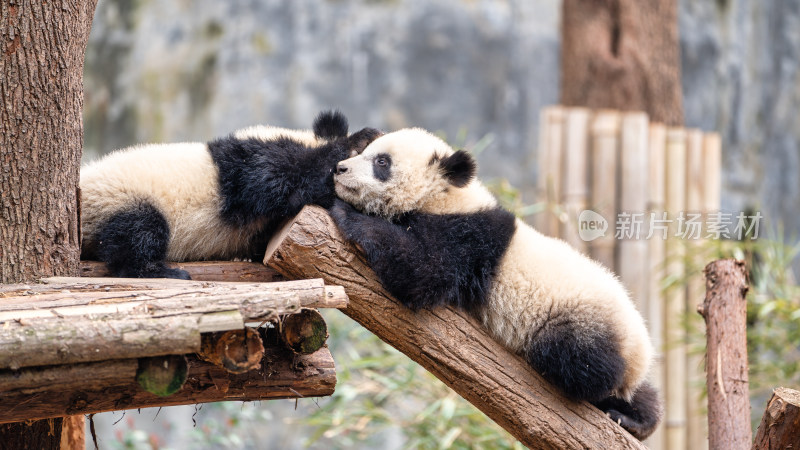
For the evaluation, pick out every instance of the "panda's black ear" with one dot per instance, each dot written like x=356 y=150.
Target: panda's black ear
x=330 y=125
x=459 y=168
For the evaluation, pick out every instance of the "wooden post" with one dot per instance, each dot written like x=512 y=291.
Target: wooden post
x=780 y=426
x=656 y=249
x=725 y=312
x=675 y=337
x=551 y=147
x=575 y=176
x=447 y=342
x=603 y=157
x=633 y=201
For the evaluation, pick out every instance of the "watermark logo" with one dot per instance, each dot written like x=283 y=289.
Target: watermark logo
x=682 y=225
x=591 y=225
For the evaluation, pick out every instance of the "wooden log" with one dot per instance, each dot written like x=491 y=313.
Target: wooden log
x=575 y=177
x=68 y=320
x=87 y=388
x=203 y=271
x=447 y=342
x=162 y=375
x=604 y=157
x=725 y=312
x=656 y=250
x=675 y=296
x=780 y=425
x=237 y=351
x=304 y=332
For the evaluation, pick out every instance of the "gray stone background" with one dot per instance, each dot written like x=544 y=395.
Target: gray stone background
x=174 y=70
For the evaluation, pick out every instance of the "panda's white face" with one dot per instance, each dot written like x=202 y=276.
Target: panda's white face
x=411 y=170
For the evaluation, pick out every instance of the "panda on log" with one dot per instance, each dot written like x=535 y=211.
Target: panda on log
x=434 y=235
x=147 y=204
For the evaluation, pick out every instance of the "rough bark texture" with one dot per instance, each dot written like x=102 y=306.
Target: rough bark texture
x=68 y=320
x=237 y=351
x=42 y=392
x=622 y=54
x=42 y=46
x=724 y=310
x=780 y=426
x=448 y=343
x=304 y=332
x=204 y=270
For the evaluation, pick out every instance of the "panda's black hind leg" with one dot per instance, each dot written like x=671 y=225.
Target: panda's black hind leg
x=133 y=244
x=641 y=416
x=579 y=357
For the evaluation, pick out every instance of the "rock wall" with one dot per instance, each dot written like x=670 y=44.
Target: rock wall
x=172 y=70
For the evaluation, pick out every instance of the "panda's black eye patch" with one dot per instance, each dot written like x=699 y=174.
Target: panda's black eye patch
x=381 y=166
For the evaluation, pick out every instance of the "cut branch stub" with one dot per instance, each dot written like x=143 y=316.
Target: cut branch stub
x=162 y=375
x=237 y=351
x=780 y=426
x=304 y=332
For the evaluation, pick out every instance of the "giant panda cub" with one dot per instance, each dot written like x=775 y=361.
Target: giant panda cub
x=434 y=235
x=146 y=204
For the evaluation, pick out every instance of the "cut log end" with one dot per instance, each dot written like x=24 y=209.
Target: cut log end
x=305 y=332
x=780 y=426
x=162 y=375
x=237 y=351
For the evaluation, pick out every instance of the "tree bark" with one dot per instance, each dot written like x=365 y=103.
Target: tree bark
x=725 y=312
x=622 y=54
x=780 y=426
x=69 y=320
x=42 y=46
x=447 y=342
x=87 y=388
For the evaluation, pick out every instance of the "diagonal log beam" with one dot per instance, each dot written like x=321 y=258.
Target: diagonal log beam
x=447 y=342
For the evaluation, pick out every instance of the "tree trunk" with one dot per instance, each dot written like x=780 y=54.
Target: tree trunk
x=622 y=54
x=725 y=312
x=42 y=46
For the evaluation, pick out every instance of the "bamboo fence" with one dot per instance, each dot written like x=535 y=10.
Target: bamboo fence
x=645 y=179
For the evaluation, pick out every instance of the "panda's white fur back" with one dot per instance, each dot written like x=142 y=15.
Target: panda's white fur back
x=181 y=181
x=189 y=200
x=539 y=274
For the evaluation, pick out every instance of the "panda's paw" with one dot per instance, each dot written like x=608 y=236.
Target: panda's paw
x=344 y=215
x=178 y=274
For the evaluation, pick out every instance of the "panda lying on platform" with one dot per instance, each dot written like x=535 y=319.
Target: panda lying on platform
x=146 y=204
x=434 y=235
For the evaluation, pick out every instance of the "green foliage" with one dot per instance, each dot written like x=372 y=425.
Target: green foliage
x=381 y=394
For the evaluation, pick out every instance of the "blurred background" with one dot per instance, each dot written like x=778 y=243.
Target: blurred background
x=476 y=71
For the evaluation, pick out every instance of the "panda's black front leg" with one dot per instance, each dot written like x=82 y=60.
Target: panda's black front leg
x=396 y=255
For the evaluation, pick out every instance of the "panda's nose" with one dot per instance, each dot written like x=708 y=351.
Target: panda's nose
x=340 y=169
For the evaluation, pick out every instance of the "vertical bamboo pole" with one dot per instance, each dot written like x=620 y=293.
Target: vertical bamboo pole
x=551 y=137
x=675 y=197
x=632 y=251
x=656 y=247
x=575 y=178
x=697 y=423
x=603 y=160
x=712 y=164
